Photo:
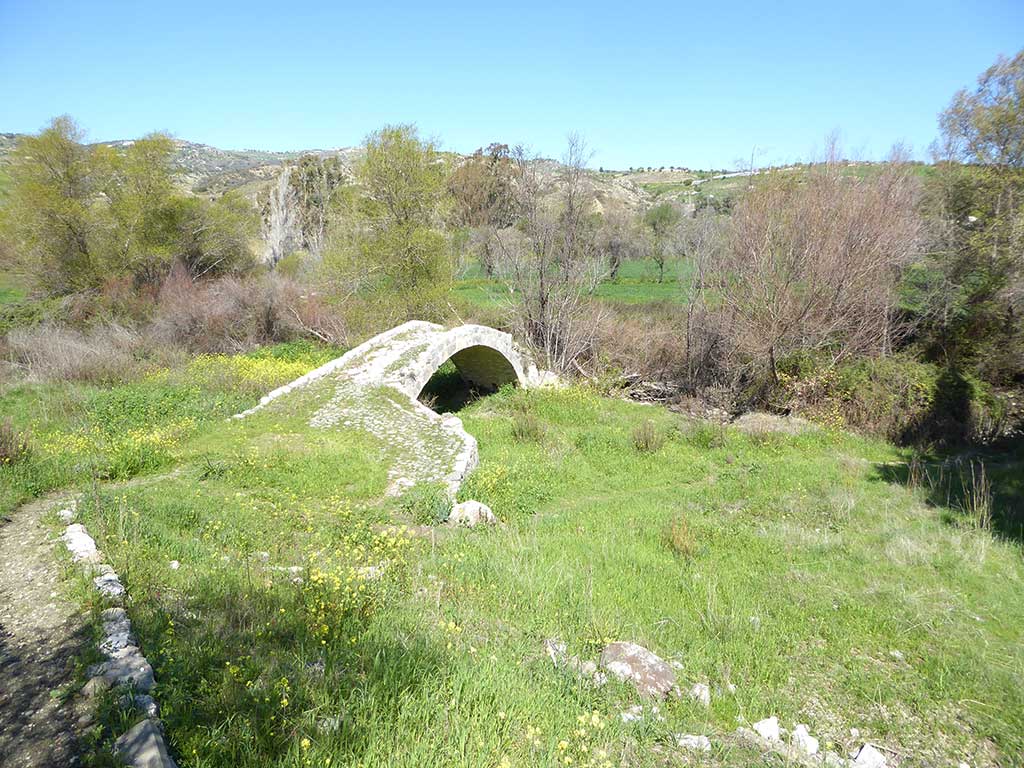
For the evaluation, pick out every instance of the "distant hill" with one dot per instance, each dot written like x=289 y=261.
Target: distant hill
x=205 y=170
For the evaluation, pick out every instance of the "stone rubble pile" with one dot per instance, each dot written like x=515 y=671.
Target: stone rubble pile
x=654 y=679
x=798 y=746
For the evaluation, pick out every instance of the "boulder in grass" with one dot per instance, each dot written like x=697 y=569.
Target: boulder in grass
x=701 y=693
x=143 y=747
x=109 y=586
x=768 y=729
x=80 y=544
x=471 y=513
x=802 y=740
x=648 y=672
x=693 y=743
x=126 y=666
x=869 y=757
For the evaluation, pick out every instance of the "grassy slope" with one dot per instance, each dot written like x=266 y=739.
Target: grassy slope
x=807 y=570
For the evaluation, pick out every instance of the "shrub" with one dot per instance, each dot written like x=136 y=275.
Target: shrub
x=647 y=438
x=706 y=435
x=104 y=354
x=813 y=265
x=680 y=538
x=232 y=314
x=900 y=399
x=13 y=445
x=527 y=428
x=426 y=504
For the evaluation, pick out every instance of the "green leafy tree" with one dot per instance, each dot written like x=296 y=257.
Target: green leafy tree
x=80 y=216
x=968 y=293
x=388 y=245
x=214 y=238
x=47 y=215
x=136 y=207
x=663 y=221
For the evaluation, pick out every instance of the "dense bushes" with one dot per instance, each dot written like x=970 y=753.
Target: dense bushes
x=79 y=216
x=186 y=317
x=899 y=398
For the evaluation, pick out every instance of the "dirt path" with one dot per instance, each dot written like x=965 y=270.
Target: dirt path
x=41 y=635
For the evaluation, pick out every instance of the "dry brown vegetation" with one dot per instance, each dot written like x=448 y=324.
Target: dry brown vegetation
x=814 y=266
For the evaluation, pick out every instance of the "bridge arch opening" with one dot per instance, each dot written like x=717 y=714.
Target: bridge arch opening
x=466 y=376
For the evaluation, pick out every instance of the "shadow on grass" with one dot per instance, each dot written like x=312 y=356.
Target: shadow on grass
x=949 y=423
x=983 y=487
x=974 y=485
x=244 y=682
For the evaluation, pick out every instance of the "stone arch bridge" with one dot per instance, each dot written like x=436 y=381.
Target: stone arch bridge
x=422 y=446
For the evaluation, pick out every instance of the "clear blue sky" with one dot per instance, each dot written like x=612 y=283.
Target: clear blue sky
x=675 y=83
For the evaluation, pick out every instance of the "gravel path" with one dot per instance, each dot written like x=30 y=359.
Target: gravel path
x=41 y=635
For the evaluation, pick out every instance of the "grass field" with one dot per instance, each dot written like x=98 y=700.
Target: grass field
x=636 y=283
x=12 y=289
x=792 y=567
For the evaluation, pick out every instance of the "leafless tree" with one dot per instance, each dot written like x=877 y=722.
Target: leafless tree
x=620 y=238
x=701 y=240
x=813 y=265
x=550 y=259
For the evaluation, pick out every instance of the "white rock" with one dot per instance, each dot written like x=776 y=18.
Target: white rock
x=633 y=714
x=470 y=513
x=109 y=585
x=693 y=743
x=647 y=671
x=802 y=740
x=898 y=655
x=126 y=666
x=555 y=649
x=80 y=544
x=701 y=693
x=114 y=641
x=329 y=724
x=95 y=686
x=143 y=746
x=142 y=702
x=869 y=757
x=768 y=729
x=175 y=565
x=66 y=516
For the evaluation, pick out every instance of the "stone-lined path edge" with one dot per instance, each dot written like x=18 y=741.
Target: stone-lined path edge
x=141 y=746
